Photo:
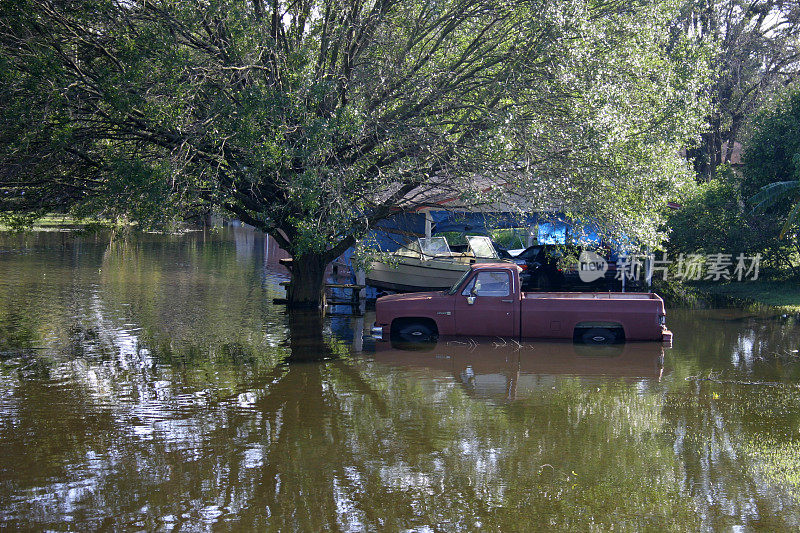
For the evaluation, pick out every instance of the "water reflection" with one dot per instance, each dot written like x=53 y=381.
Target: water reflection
x=144 y=384
x=505 y=369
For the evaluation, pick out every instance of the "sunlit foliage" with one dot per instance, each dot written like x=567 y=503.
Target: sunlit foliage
x=314 y=120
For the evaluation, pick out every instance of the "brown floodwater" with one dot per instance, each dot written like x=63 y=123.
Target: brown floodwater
x=144 y=385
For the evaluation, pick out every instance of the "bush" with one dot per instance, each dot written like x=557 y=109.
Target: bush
x=712 y=220
x=716 y=218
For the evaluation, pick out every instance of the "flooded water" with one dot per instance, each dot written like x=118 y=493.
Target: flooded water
x=143 y=385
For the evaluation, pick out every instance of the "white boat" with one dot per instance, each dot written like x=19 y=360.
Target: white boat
x=429 y=264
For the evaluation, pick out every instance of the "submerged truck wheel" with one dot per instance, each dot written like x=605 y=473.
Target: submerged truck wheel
x=599 y=336
x=414 y=332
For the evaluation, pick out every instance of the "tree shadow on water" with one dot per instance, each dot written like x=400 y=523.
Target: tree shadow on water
x=307 y=342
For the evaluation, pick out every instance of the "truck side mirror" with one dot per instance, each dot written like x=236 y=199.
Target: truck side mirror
x=472 y=295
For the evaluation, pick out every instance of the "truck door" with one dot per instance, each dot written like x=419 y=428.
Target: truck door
x=488 y=305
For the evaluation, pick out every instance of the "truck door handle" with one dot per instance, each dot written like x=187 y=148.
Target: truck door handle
x=507 y=301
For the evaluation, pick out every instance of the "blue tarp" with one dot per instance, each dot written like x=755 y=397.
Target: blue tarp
x=402 y=228
x=552 y=227
x=479 y=222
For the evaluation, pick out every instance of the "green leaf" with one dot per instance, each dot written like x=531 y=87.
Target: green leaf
x=773 y=192
x=792 y=217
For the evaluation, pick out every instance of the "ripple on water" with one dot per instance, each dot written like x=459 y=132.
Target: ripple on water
x=145 y=395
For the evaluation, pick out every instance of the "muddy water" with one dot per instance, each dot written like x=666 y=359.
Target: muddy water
x=143 y=386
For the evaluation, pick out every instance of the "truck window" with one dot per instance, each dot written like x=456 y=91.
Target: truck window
x=489 y=283
x=454 y=288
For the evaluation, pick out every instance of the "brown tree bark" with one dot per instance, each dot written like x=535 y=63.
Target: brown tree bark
x=307 y=290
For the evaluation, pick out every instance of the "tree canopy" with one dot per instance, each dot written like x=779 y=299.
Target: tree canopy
x=772 y=163
x=756 y=54
x=314 y=119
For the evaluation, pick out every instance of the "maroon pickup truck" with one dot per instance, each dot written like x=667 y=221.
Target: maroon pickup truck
x=487 y=301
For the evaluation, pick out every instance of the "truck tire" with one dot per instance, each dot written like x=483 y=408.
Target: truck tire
x=599 y=336
x=414 y=332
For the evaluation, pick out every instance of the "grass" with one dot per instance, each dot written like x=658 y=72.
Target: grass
x=58 y=221
x=62 y=221
x=783 y=294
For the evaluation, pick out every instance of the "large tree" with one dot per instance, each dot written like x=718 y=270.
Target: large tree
x=314 y=119
x=757 y=54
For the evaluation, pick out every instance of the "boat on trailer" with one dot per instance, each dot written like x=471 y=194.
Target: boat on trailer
x=429 y=264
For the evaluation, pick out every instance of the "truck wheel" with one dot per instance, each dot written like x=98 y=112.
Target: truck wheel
x=600 y=336
x=415 y=332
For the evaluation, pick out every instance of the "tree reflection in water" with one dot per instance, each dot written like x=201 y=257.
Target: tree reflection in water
x=154 y=388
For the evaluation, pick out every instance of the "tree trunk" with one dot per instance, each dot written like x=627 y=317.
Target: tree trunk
x=736 y=124
x=307 y=290
x=714 y=146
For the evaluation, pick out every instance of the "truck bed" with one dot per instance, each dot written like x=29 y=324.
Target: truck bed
x=558 y=314
x=591 y=295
